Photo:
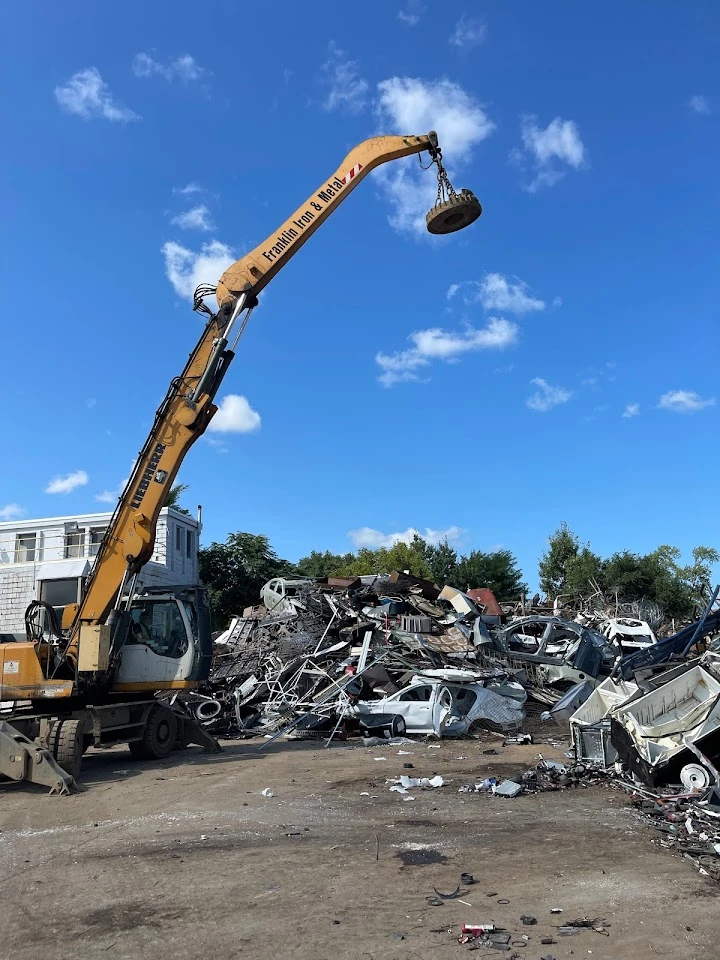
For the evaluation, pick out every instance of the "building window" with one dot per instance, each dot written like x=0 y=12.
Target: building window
x=96 y=538
x=178 y=539
x=74 y=545
x=188 y=543
x=25 y=547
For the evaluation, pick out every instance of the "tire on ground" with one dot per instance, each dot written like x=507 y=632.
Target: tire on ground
x=158 y=737
x=67 y=744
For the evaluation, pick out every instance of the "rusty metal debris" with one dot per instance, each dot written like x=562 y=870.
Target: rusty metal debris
x=384 y=656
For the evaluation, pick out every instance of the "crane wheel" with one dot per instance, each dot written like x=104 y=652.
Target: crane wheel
x=67 y=744
x=158 y=737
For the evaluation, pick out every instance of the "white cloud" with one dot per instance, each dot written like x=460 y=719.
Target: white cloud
x=550 y=151
x=188 y=189
x=684 y=401
x=235 y=415
x=12 y=511
x=186 y=269
x=348 y=89
x=546 y=396
x=631 y=410
x=437 y=344
x=699 y=104
x=411 y=14
x=218 y=445
x=496 y=292
x=375 y=539
x=198 y=218
x=87 y=95
x=468 y=32
x=410 y=105
x=183 y=68
x=111 y=496
x=67 y=483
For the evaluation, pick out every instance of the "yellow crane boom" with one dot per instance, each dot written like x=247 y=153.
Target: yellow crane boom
x=188 y=406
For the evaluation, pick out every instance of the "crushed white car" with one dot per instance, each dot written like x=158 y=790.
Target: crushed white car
x=447 y=708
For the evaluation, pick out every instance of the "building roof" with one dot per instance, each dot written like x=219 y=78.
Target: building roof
x=99 y=516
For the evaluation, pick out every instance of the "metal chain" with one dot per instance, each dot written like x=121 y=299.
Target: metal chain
x=445 y=190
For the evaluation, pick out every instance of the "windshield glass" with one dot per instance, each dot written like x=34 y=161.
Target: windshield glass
x=158 y=624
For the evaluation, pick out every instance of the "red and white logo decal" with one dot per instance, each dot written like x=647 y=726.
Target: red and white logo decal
x=352 y=173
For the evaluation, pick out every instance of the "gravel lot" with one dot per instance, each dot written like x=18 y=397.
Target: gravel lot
x=186 y=858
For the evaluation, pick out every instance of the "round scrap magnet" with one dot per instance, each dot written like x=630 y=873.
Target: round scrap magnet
x=455 y=213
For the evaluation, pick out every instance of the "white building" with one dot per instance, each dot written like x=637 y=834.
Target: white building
x=49 y=559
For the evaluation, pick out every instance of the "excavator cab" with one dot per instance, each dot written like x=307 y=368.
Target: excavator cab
x=168 y=643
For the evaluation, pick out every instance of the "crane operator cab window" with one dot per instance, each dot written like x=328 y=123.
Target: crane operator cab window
x=159 y=625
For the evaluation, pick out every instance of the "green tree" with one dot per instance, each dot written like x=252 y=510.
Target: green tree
x=443 y=562
x=317 y=565
x=235 y=571
x=698 y=575
x=497 y=570
x=401 y=556
x=408 y=556
x=581 y=571
x=173 y=497
x=658 y=576
x=653 y=576
x=563 y=547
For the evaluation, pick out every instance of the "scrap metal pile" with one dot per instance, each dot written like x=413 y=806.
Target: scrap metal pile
x=394 y=654
x=381 y=656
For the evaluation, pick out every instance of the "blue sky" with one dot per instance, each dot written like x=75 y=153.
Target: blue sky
x=555 y=361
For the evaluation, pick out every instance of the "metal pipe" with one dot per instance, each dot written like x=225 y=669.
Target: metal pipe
x=220 y=345
x=701 y=622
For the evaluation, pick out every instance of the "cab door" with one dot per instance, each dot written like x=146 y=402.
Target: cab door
x=160 y=649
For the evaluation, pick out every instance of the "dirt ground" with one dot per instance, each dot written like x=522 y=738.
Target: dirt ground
x=186 y=858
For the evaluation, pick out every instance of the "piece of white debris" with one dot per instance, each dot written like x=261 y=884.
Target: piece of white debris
x=405 y=799
x=379 y=758
x=267 y=792
x=436 y=781
x=405 y=753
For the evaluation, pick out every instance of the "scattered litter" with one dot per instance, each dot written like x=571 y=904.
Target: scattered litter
x=508 y=788
x=267 y=792
x=467 y=879
x=556 y=910
x=528 y=921
x=448 y=896
x=436 y=781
